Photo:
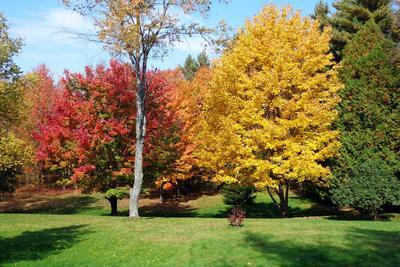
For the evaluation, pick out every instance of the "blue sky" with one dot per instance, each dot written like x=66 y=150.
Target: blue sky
x=43 y=25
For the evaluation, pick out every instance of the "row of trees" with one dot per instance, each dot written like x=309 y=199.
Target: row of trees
x=292 y=100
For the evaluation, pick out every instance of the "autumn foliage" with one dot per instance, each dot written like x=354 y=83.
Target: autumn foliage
x=261 y=116
x=270 y=114
x=267 y=118
x=90 y=134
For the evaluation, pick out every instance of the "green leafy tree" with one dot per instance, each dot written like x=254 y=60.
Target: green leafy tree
x=369 y=116
x=351 y=15
x=9 y=48
x=14 y=153
x=11 y=104
x=10 y=90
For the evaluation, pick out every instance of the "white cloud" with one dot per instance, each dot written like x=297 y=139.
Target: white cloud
x=195 y=44
x=55 y=25
x=62 y=18
x=52 y=57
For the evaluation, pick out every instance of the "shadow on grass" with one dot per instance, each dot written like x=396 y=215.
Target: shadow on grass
x=180 y=207
x=255 y=210
x=356 y=216
x=46 y=205
x=362 y=247
x=168 y=209
x=37 y=245
x=268 y=210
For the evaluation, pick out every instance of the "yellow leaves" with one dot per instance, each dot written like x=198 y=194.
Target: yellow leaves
x=271 y=103
x=14 y=153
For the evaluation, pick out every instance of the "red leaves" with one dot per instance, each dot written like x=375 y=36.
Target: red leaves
x=81 y=172
x=91 y=129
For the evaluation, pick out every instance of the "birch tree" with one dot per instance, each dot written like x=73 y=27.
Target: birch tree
x=139 y=30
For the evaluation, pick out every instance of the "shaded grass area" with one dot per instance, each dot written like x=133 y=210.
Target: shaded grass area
x=203 y=206
x=37 y=245
x=49 y=240
x=54 y=202
x=213 y=207
x=196 y=205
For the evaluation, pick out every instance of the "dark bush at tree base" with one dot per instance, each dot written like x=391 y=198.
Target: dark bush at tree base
x=113 y=195
x=238 y=195
x=316 y=192
x=373 y=184
x=236 y=217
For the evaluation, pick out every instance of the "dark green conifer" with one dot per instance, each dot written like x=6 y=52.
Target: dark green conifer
x=369 y=117
x=351 y=15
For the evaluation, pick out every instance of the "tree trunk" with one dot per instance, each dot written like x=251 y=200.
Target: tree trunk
x=373 y=214
x=161 y=193
x=285 y=201
x=114 y=206
x=283 y=194
x=140 y=137
x=139 y=146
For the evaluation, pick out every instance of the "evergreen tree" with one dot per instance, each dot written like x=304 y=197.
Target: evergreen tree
x=190 y=67
x=396 y=28
x=203 y=60
x=369 y=116
x=321 y=13
x=351 y=15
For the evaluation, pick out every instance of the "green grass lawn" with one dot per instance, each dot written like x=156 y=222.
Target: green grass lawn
x=48 y=240
x=40 y=235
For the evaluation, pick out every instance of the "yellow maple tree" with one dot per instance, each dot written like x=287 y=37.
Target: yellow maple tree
x=267 y=117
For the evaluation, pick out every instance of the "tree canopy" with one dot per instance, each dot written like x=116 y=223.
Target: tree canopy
x=267 y=118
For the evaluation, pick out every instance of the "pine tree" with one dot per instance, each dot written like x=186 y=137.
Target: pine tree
x=369 y=116
x=321 y=13
x=190 y=67
x=351 y=15
x=203 y=60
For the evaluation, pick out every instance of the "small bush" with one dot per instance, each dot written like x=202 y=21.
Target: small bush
x=113 y=195
x=238 y=195
x=118 y=193
x=371 y=185
x=236 y=217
